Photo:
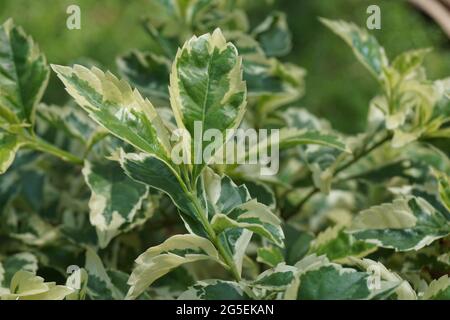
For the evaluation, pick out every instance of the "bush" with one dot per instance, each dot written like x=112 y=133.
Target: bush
x=344 y=217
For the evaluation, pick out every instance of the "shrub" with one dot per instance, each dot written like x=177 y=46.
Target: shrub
x=345 y=217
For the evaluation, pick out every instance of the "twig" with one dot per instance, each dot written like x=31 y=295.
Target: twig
x=355 y=159
x=437 y=11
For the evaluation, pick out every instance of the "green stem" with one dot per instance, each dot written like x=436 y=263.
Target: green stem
x=355 y=159
x=42 y=145
x=214 y=239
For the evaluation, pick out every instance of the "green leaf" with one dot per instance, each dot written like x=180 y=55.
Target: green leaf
x=158 y=174
x=364 y=45
x=206 y=87
x=23 y=74
x=438 y=289
x=9 y=144
x=114 y=105
x=337 y=245
x=297 y=243
x=216 y=290
x=115 y=198
x=172 y=253
x=273 y=35
x=270 y=256
x=405 y=224
x=262 y=193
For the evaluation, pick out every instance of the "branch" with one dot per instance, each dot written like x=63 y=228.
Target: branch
x=437 y=11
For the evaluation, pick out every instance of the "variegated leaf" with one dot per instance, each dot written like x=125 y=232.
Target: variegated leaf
x=277 y=278
x=99 y=285
x=206 y=87
x=404 y=291
x=444 y=188
x=78 y=282
x=338 y=245
x=115 y=198
x=147 y=72
x=272 y=84
x=253 y=216
x=273 y=35
x=319 y=279
x=233 y=215
x=23 y=74
x=216 y=290
x=365 y=46
x=409 y=61
x=27 y=286
x=20 y=261
x=405 y=224
x=172 y=253
x=9 y=144
x=291 y=137
x=113 y=104
x=438 y=289
x=158 y=174
x=73 y=121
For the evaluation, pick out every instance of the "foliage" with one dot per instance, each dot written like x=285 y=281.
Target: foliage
x=346 y=217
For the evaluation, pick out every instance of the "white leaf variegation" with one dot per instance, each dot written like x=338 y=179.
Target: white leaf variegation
x=78 y=282
x=23 y=75
x=172 y=253
x=158 y=174
x=216 y=290
x=24 y=261
x=73 y=121
x=404 y=291
x=9 y=144
x=277 y=278
x=364 y=45
x=320 y=279
x=27 y=286
x=113 y=104
x=233 y=214
x=405 y=224
x=206 y=86
x=115 y=198
x=438 y=289
x=338 y=245
x=99 y=284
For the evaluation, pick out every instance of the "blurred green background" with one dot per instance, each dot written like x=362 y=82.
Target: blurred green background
x=338 y=88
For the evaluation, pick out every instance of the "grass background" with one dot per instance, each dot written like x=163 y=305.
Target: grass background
x=338 y=88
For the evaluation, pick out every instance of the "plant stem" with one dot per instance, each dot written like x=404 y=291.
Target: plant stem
x=355 y=159
x=213 y=238
x=42 y=145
